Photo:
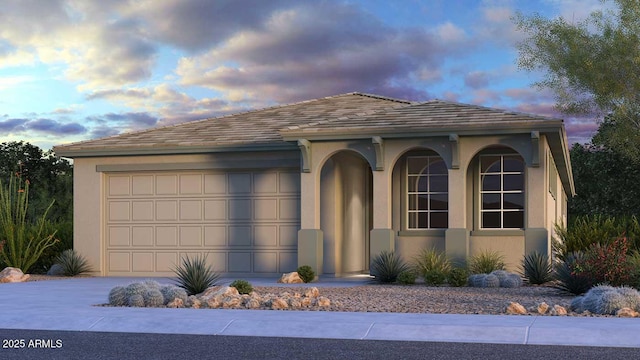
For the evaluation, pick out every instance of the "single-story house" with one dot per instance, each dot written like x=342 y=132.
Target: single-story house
x=329 y=182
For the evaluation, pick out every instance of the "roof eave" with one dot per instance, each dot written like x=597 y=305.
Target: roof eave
x=168 y=150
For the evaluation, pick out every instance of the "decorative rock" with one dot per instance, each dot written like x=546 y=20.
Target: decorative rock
x=312 y=292
x=291 y=278
x=12 y=275
x=543 y=308
x=558 y=310
x=214 y=303
x=627 y=312
x=306 y=301
x=323 y=302
x=231 y=302
x=515 y=308
x=252 y=304
x=194 y=302
x=295 y=303
x=55 y=270
x=279 y=304
x=176 y=303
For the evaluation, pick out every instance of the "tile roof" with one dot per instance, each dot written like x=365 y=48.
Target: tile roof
x=248 y=128
x=353 y=113
x=426 y=116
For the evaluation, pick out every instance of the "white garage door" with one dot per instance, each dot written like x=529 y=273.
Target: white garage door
x=247 y=222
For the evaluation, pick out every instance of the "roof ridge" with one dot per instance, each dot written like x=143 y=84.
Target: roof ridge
x=277 y=106
x=489 y=108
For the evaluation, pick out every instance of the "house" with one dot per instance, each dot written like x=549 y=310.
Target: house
x=329 y=182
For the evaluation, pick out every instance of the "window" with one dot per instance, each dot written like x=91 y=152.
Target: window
x=501 y=192
x=427 y=193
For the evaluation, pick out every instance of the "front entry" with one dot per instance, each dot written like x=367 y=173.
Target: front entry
x=346 y=213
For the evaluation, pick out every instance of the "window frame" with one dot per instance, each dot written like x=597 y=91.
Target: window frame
x=407 y=190
x=502 y=210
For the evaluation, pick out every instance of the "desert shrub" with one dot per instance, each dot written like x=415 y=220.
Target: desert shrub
x=386 y=267
x=243 y=286
x=64 y=234
x=435 y=277
x=407 y=277
x=25 y=238
x=486 y=262
x=607 y=263
x=433 y=264
x=634 y=265
x=458 y=277
x=306 y=273
x=569 y=276
x=584 y=231
x=536 y=268
x=73 y=263
x=194 y=275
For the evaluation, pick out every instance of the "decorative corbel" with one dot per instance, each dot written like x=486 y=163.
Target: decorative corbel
x=305 y=149
x=378 y=144
x=535 y=148
x=455 y=153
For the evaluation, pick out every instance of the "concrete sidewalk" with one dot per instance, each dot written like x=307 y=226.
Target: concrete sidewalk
x=70 y=305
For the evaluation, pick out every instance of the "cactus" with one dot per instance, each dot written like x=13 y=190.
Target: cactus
x=511 y=280
x=152 y=284
x=501 y=275
x=153 y=298
x=136 y=300
x=476 y=280
x=135 y=289
x=118 y=296
x=577 y=304
x=607 y=300
x=491 y=281
x=172 y=292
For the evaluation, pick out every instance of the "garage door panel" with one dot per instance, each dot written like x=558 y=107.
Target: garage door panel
x=242 y=220
x=265 y=236
x=215 y=236
x=142 y=185
x=119 y=236
x=191 y=236
x=239 y=262
x=142 y=236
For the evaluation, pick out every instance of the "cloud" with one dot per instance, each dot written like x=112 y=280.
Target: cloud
x=12 y=125
x=55 y=127
x=322 y=49
x=476 y=79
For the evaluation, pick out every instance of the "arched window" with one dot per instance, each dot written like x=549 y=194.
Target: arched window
x=502 y=192
x=427 y=193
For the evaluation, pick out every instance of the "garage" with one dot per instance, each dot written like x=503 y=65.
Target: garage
x=246 y=221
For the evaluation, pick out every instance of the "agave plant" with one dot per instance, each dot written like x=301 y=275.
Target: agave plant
x=72 y=263
x=569 y=277
x=536 y=268
x=387 y=266
x=194 y=275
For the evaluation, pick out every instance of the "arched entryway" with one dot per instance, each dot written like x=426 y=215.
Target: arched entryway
x=346 y=213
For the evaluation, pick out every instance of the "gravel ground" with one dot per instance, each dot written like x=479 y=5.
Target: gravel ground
x=420 y=298
x=437 y=300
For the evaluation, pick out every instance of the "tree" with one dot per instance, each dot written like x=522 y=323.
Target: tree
x=591 y=67
x=50 y=176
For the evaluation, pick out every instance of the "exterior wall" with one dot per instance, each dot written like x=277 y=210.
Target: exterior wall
x=89 y=188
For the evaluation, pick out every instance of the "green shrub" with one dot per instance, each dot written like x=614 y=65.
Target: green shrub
x=432 y=263
x=458 y=277
x=25 y=238
x=486 y=262
x=407 y=278
x=634 y=265
x=306 y=273
x=569 y=276
x=73 y=263
x=194 y=275
x=434 y=277
x=536 y=268
x=584 y=231
x=243 y=286
x=386 y=267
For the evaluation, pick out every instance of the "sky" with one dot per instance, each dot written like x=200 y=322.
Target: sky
x=73 y=70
